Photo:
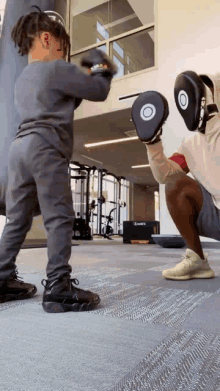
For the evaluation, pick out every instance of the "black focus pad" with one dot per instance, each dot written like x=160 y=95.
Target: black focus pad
x=189 y=93
x=149 y=112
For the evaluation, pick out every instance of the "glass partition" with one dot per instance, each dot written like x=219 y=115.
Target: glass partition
x=123 y=29
x=101 y=20
x=2 y=14
x=134 y=52
x=157 y=205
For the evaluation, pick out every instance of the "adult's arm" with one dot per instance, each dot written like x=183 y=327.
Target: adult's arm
x=165 y=169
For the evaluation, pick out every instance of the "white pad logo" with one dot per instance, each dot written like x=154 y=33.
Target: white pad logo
x=148 y=112
x=183 y=99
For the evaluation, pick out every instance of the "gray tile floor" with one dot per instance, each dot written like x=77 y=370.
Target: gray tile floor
x=147 y=334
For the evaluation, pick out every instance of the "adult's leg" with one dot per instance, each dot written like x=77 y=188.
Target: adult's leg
x=184 y=201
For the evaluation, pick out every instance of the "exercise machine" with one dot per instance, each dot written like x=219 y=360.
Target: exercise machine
x=105 y=228
x=81 y=226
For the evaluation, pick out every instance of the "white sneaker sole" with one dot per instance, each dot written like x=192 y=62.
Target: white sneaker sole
x=196 y=274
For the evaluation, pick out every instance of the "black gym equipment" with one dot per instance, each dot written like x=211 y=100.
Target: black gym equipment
x=107 y=230
x=81 y=226
x=140 y=230
x=169 y=241
x=104 y=228
x=101 y=200
x=84 y=222
x=122 y=204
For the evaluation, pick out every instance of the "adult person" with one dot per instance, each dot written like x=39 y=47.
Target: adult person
x=194 y=204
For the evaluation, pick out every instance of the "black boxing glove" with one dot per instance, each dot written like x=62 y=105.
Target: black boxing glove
x=98 y=62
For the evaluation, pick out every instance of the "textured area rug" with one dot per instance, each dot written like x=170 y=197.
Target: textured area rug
x=186 y=361
x=147 y=334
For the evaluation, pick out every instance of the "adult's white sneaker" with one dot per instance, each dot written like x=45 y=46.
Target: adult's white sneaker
x=191 y=266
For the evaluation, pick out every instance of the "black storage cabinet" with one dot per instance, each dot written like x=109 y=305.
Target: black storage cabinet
x=140 y=230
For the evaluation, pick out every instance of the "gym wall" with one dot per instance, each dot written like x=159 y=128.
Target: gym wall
x=143 y=203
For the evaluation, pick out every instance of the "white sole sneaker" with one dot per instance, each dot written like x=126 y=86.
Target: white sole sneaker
x=192 y=266
x=197 y=274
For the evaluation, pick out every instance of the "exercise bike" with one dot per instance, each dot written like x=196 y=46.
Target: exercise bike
x=107 y=230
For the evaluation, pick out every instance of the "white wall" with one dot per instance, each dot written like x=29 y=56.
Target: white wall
x=2 y=4
x=80 y=6
x=188 y=39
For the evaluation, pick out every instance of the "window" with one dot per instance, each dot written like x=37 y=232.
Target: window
x=102 y=47
x=157 y=205
x=2 y=14
x=121 y=67
x=117 y=48
x=101 y=31
x=124 y=30
x=138 y=50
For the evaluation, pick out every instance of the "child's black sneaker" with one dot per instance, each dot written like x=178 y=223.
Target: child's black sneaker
x=61 y=296
x=15 y=289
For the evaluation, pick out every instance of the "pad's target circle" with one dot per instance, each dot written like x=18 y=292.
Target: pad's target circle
x=183 y=99
x=148 y=112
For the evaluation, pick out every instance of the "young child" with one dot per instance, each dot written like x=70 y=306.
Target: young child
x=46 y=94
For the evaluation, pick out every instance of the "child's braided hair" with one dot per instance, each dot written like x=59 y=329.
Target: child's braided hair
x=34 y=23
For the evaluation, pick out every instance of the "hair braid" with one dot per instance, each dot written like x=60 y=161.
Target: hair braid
x=31 y=25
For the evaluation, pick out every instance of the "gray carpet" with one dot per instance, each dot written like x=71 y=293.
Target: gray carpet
x=148 y=334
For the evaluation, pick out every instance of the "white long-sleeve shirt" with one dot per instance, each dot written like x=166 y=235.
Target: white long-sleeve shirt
x=201 y=153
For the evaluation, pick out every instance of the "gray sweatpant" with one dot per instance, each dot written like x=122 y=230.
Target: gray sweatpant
x=37 y=173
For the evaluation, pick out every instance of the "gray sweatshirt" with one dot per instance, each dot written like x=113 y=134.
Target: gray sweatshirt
x=46 y=95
